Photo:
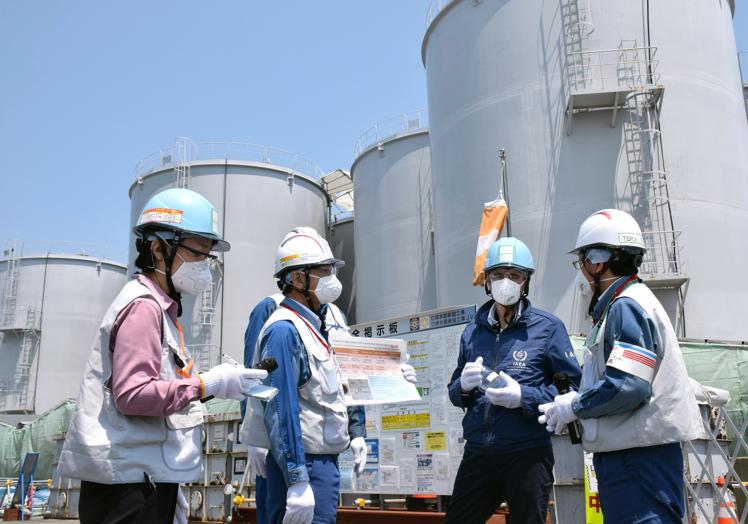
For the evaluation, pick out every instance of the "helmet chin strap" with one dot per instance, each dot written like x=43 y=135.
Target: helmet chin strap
x=307 y=294
x=169 y=256
x=596 y=292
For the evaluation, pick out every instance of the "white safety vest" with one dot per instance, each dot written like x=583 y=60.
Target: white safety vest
x=105 y=446
x=671 y=415
x=323 y=413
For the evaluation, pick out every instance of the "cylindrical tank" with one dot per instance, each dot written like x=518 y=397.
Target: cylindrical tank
x=393 y=240
x=51 y=311
x=498 y=75
x=341 y=243
x=260 y=194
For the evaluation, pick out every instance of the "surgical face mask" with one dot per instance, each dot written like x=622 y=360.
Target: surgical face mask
x=583 y=285
x=506 y=292
x=192 y=278
x=328 y=289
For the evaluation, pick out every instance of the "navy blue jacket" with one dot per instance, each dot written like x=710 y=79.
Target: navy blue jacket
x=530 y=349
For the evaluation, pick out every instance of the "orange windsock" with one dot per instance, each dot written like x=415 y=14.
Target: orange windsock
x=491 y=224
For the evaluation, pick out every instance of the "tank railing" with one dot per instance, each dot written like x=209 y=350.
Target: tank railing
x=610 y=70
x=391 y=127
x=718 y=483
x=60 y=247
x=22 y=319
x=662 y=258
x=241 y=151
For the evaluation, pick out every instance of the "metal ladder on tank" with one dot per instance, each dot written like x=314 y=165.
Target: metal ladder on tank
x=29 y=345
x=182 y=153
x=203 y=351
x=649 y=193
x=576 y=21
x=10 y=290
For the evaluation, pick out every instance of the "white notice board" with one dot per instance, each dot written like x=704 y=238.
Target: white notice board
x=414 y=447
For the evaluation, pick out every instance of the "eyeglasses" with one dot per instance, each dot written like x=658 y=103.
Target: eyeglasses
x=578 y=263
x=199 y=254
x=323 y=271
x=512 y=274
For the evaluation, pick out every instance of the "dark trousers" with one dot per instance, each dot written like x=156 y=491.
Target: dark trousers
x=135 y=503
x=641 y=485
x=524 y=479
x=324 y=479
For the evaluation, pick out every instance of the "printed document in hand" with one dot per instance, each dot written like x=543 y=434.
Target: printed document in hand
x=370 y=369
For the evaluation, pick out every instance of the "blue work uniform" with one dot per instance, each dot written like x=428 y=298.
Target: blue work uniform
x=288 y=463
x=637 y=484
x=508 y=455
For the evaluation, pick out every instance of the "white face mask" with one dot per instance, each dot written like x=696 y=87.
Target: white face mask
x=505 y=291
x=192 y=278
x=328 y=289
x=583 y=285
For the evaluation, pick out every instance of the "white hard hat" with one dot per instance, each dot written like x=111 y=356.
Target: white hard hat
x=302 y=247
x=611 y=228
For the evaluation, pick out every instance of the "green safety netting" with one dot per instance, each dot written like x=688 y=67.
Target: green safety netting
x=41 y=435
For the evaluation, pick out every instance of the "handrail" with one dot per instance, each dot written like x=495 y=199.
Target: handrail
x=391 y=127
x=226 y=150
x=612 y=69
x=36 y=248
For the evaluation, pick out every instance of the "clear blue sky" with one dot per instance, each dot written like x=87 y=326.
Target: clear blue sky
x=88 y=88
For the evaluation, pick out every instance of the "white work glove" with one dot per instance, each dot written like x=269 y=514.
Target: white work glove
x=548 y=416
x=257 y=460
x=563 y=411
x=408 y=371
x=299 y=504
x=358 y=446
x=180 y=513
x=470 y=378
x=229 y=381
x=509 y=396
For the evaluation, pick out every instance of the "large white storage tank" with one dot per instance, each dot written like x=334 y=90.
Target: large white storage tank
x=260 y=194
x=504 y=74
x=341 y=243
x=393 y=230
x=51 y=310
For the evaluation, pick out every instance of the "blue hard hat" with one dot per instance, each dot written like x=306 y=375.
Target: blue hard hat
x=182 y=210
x=510 y=252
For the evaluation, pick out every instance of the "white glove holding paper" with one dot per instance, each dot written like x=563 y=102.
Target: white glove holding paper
x=509 y=396
x=358 y=447
x=258 y=460
x=408 y=371
x=299 y=504
x=470 y=377
x=230 y=382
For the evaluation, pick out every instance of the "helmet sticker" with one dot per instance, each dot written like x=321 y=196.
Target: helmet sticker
x=290 y=257
x=630 y=238
x=214 y=222
x=161 y=214
x=506 y=254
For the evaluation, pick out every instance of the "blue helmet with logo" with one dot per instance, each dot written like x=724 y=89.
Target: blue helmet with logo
x=510 y=252
x=181 y=212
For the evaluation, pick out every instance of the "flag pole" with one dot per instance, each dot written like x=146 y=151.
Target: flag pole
x=504 y=185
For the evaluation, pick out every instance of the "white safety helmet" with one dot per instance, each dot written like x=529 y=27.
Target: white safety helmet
x=610 y=228
x=303 y=247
